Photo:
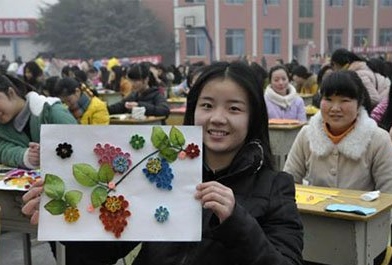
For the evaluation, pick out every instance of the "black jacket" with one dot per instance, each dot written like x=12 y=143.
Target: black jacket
x=154 y=102
x=265 y=227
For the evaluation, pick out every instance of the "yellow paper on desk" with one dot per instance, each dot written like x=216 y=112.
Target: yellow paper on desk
x=308 y=198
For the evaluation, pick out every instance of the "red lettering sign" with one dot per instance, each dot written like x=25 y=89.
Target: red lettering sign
x=17 y=27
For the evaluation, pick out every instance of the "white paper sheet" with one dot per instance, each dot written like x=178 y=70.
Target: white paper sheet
x=184 y=222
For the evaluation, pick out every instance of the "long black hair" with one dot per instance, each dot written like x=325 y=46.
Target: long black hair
x=244 y=76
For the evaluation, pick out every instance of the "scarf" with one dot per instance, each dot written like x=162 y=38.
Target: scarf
x=80 y=107
x=282 y=101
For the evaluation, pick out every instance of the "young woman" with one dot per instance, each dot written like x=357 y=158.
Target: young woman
x=305 y=81
x=143 y=95
x=281 y=97
x=342 y=146
x=21 y=114
x=119 y=82
x=84 y=106
x=249 y=210
x=34 y=76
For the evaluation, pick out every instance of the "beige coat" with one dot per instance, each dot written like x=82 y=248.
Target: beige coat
x=362 y=160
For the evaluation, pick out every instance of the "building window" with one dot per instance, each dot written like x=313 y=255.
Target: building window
x=361 y=2
x=195 y=1
x=386 y=2
x=306 y=30
x=385 y=37
x=334 y=39
x=272 y=2
x=195 y=42
x=361 y=37
x=306 y=8
x=271 y=41
x=235 y=1
x=235 y=42
x=335 y=2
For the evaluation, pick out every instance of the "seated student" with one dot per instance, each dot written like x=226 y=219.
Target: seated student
x=119 y=82
x=342 y=146
x=249 y=211
x=84 y=106
x=22 y=113
x=281 y=98
x=305 y=81
x=143 y=95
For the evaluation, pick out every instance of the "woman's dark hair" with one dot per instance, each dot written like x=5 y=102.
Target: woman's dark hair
x=348 y=84
x=34 y=69
x=20 y=87
x=50 y=85
x=104 y=76
x=193 y=71
x=66 y=71
x=322 y=72
x=244 y=76
x=119 y=72
x=343 y=56
x=65 y=87
x=276 y=68
x=301 y=71
x=139 y=71
x=260 y=72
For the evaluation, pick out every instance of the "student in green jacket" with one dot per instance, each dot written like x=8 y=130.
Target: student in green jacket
x=22 y=111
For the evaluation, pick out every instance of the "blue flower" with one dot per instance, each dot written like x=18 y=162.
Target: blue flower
x=158 y=171
x=120 y=164
x=161 y=214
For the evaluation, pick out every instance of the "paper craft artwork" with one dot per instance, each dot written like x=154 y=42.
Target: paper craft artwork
x=19 y=179
x=313 y=196
x=120 y=183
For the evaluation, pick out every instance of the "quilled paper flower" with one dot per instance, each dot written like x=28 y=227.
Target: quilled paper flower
x=108 y=153
x=64 y=150
x=162 y=177
x=120 y=164
x=111 y=185
x=115 y=221
x=192 y=150
x=161 y=214
x=71 y=214
x=113 y=204
x=137 y=141
x=181 y=155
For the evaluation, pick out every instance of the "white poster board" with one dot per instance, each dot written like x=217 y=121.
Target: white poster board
x=183 y=222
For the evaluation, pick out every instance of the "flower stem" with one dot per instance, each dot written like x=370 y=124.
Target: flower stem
x=135 y=166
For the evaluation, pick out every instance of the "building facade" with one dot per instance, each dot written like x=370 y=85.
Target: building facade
x=267 y=30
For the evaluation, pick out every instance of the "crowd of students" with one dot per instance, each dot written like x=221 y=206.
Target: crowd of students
x=250 y=215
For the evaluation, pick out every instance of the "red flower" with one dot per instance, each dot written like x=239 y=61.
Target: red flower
x=192 y=150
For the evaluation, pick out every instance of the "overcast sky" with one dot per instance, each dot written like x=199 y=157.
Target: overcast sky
x=21 y=8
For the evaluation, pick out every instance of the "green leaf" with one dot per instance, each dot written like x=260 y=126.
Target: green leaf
x=105 y=173
x=54 y=186
x=85 y=174
x=98 y=196
x=159 y=138
x=176 y=137
x=73 y=197
x=56 y=207
x=170 y=154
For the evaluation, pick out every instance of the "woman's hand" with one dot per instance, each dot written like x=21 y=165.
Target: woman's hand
x=31 y=200
x=33 y=154
x=217 y=197
x=130 y=104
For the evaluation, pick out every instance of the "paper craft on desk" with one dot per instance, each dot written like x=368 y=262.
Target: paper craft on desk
x=303 y=197
x=116 y=182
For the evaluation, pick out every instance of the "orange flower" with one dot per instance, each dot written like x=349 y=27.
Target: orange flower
x=71 y=214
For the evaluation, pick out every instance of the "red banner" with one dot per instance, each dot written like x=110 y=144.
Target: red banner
x=17 y=27
x=372 y=49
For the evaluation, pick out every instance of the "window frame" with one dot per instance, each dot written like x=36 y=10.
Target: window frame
x=274 y=36
x=199 y=39
x=233 y=35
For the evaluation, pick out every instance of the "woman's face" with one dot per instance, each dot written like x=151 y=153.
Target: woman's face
x=139 y=85
x=223 y=110
x=280 y=82
x=339 y=112
x=72 y=100
x=28 y=74
x=9 y=106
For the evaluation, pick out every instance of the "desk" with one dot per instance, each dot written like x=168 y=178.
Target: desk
x=13 y=220
x=176 y=102
x=282 y=137
x=109 y=96
x=307 y=98
x=126 y=119
x=176 y=116
x=343 y=238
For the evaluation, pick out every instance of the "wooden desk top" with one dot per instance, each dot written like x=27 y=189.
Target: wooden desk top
x=286 y=126
x=177 y=100
x=306 y=95
x=126 y=119
x=383 y=203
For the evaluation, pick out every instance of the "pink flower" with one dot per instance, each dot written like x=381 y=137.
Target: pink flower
x=90 y=209
x=182 y=155
x=112 y=185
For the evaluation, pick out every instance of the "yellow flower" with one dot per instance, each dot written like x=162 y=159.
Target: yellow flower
x=71 y=214
x=113 y=204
